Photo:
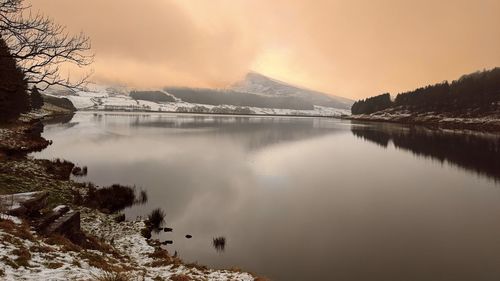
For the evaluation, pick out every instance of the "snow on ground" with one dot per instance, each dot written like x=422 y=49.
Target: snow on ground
x=102 y=98
x=13 y=219
x=55 y=262
x=81 y=102
x=127 y=238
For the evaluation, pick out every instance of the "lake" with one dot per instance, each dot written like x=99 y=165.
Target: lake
x=303 y=198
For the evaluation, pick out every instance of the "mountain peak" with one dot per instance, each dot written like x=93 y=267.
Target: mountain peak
x=260 y=84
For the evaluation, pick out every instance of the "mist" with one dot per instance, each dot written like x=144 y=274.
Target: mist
x=350 y=48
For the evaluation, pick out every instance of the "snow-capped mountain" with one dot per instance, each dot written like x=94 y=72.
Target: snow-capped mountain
x=257 y=94
x=256 y=83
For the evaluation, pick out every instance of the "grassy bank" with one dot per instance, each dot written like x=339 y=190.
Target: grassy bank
x=113 y=249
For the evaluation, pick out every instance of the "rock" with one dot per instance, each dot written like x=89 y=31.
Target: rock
x=56 y=213
x=67 y=225
x=23 y=204
x=61 y=209
x=189 y=236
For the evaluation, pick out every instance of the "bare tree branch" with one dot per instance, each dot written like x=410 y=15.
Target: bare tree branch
x=41 y=46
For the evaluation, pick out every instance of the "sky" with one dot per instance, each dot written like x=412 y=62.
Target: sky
x=350 y=48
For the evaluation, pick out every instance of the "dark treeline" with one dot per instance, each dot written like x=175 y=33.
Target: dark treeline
x=473 y=152
x=372 y=104
x=473 y=93
x=14 y=97
x=228 y=97
x=154 y=96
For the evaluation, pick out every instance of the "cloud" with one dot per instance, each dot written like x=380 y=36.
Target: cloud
x=352 y=48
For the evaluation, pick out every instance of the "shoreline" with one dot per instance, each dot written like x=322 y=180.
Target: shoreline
x=210 y=113
x=119 y=248
x=479 y=124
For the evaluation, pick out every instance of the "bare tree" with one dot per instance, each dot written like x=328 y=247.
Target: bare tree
x=41 y=46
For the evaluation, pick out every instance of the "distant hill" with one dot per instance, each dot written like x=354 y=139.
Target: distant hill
x=257 y=94
x=470 y=102
x=472 y=94
x=231 y=97
x=154 y=96
x=256 y=83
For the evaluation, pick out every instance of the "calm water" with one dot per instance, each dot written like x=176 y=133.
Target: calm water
x=304 y=198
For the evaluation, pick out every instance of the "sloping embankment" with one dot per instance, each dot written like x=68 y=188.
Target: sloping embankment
x=488 y=121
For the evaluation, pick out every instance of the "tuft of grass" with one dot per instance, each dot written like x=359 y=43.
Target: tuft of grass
x=21 y=231
x=196 y=266
x=9 y=262
x=23 y=256
x=79 y=172
x=53 y=265
x=66 y=244
x=180 y=277
x=113 y=276
x=98 y=261
x=41 y=249
x=59 y=169
x=76 y=263
x=156 y=218
x=160 y=253
x=110 y=199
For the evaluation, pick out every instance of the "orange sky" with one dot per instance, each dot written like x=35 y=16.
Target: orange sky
x=350 y=48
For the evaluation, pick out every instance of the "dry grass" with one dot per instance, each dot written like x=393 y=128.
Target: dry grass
x=22 y=231
x=66 y=244
x=113 y=276
x=161 y=258
x=180 y=277
x=53 y=265
x=98 y=261
x=23 y=256
x=196 y=266
x=160 y=253
x=9 y=262
x=41 y=249
x=110 y=199
x=156 y=218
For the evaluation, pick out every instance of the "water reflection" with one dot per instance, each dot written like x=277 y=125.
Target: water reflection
x=219 y=244
x=297 y=198
x=476 y=152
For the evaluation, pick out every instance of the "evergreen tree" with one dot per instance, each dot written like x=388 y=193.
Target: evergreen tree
x=372 y=104
x=14 y=98
x=474 y=93
x=36 y=98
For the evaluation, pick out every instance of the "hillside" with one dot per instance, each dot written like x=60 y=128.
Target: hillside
x=276 y=98
x=256 y=83
x=472 y=102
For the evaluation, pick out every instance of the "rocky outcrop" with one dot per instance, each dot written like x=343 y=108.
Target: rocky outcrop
x=23 y=204
x=67 y=225
x=60 y=220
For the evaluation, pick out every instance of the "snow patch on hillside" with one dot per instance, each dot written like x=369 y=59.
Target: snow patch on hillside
x=103 y=98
